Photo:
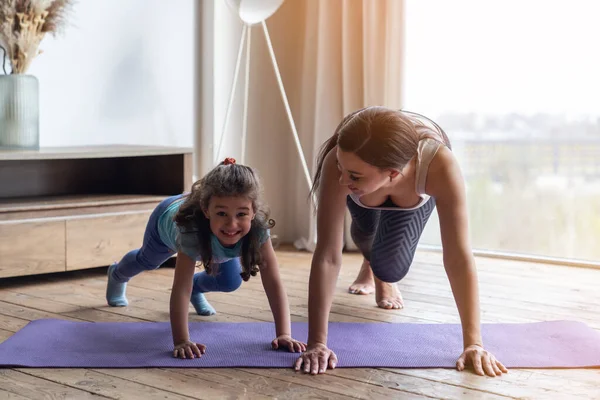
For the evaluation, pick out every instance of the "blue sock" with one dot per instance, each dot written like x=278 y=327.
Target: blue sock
x=115 y=291
x=201 y=305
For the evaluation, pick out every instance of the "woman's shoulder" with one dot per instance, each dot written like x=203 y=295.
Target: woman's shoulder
x=442 y=171
x=443 y=156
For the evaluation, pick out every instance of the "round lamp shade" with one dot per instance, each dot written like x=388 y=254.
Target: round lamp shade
x=254 y=11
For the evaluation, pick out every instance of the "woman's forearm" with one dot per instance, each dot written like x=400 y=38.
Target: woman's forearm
x=179 y=317
x=463 y=280
x=321 y=287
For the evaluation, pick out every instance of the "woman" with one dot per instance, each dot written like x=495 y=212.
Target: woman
x=391 y=169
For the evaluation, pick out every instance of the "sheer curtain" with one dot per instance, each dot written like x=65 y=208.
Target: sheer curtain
x=352 y=58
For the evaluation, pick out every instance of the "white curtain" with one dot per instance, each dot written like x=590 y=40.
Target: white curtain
x=352 y=59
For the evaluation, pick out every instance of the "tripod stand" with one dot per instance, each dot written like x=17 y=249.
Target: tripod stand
x=245 y=39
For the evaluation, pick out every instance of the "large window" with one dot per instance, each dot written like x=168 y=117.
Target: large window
x=516 y=86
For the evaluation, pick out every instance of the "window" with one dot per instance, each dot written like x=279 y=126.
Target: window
x=516 y=86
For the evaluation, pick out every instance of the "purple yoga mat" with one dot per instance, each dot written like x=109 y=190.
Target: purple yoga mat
x=59 y=343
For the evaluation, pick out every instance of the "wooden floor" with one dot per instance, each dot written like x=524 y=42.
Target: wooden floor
x=510 y=292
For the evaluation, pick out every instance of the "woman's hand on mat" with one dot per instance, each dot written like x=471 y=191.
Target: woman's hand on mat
x=286 y=341
x=316 y=359
x=189 y=349
x=483 y=362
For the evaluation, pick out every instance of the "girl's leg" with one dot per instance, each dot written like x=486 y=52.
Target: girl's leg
x=227 y=279
x=363 y=228
x=150 y=256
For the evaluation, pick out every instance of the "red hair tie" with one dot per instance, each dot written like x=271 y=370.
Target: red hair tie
x=229 y=161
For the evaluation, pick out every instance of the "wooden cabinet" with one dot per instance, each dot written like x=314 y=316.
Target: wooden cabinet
x=31 y=247
x=95 y=240
x=82 y=207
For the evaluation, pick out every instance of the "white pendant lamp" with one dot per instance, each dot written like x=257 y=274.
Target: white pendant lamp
x=254 y=11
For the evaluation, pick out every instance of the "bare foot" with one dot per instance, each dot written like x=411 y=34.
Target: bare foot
x=388 y=296
x=363 y=284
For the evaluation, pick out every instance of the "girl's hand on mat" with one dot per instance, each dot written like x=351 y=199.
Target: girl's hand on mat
x=286 y=341
x=316 y=359
x=483 y=361
x=189 y=349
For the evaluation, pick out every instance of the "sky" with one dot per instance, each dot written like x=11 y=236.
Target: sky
x=492 y=56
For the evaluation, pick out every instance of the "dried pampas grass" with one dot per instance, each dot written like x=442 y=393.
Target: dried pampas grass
x=23 y=25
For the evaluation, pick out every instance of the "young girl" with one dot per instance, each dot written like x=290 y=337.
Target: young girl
x=223 y=224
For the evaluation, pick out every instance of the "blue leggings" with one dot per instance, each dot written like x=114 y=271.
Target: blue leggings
x=154 y=252
x=388 y=239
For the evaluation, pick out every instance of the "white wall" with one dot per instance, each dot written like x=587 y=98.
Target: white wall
x=122 y=73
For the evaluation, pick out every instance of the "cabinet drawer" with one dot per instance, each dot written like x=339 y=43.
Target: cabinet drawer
x=99 y=240
x=32 y=247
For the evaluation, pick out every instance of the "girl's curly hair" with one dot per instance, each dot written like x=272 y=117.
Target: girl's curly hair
x=228 y=179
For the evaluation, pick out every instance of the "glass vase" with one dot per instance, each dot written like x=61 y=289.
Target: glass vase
x=19 y=112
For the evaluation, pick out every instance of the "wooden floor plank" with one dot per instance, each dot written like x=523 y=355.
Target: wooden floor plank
x=10 y=323
x=417 y=385
x=4 y=334
x=30 y=314
x=5 y=395
x=31 y=387
x=518 y=383
x=182 y=382
x=98 y=384
x=333 y=383
x=260 y=384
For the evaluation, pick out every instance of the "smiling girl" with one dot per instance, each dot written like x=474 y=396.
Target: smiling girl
x=223 y=224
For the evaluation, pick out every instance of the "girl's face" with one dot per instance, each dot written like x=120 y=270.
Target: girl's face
x=361 y=177
x=230 y=218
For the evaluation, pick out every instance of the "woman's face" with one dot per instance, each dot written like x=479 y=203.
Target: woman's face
x=361 y=177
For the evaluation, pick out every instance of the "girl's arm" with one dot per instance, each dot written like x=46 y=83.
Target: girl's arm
x=271 y=280
x=179 y=307
x=445 y=183
x=278 y=300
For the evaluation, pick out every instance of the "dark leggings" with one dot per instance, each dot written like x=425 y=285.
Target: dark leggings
x=388 y=239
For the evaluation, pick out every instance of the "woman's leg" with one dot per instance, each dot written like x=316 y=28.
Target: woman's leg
x=150 y=256
x=227 y=279
x=394 y=248
x=363 y=229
